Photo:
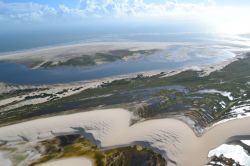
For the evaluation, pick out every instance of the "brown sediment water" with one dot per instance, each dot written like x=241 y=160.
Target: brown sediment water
x=174 y=139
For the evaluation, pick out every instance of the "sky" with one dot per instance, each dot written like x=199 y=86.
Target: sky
x=73 y=3
x=218 y=16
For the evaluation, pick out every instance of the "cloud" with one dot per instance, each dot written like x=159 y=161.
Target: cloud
x=206 y=12
x=99 y=8
x=138 y=8
x=25 y=11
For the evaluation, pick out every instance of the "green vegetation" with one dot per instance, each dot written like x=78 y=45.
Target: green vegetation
x=18 y=92
x=83 y=60
x=221 y=160
x=77 y=146
x=42 y=95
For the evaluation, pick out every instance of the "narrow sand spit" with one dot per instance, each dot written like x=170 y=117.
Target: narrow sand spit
x=61 y=52
x=78 y=161
x=111 y=128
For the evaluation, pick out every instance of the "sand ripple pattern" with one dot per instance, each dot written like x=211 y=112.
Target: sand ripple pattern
x=110 y=128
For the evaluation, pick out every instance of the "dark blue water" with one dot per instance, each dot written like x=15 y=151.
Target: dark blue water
x=165 y=60
x=23 y=38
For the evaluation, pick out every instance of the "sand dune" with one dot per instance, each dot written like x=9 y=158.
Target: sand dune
x=79 y=161
x=172 y=138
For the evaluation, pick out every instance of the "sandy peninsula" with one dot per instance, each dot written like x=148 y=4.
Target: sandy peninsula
x=36 y=58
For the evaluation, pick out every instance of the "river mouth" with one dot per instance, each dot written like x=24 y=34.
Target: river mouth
x=172 y=58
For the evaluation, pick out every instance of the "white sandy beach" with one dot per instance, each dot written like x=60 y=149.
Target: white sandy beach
x=4 y=161
x=236 y=152
x=78 y=161
x=112 y=128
